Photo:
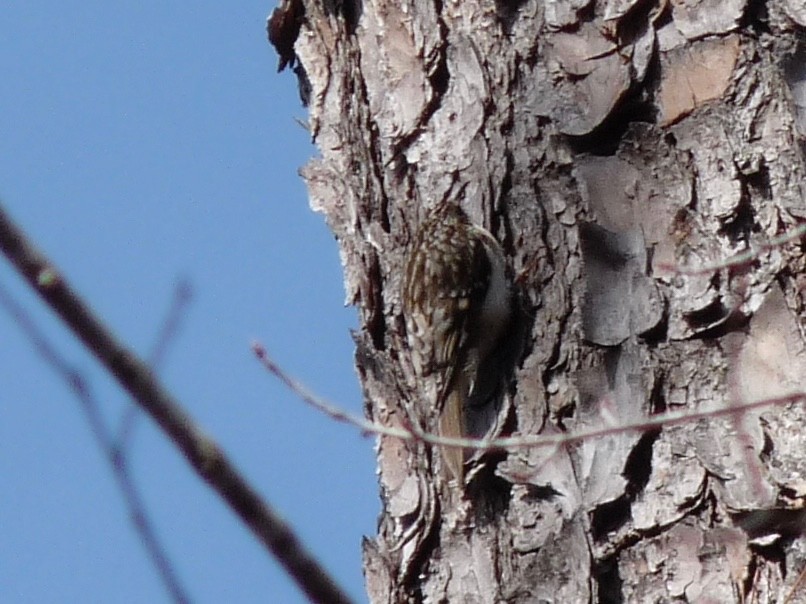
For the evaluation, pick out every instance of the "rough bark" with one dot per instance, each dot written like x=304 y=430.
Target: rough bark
x=602 y=143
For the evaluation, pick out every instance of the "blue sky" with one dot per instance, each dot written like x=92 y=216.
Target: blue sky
x=141 y=145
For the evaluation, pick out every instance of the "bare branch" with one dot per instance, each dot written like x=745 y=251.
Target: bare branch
x=321 y=404
x=183 y=293
x=117 y=460
x=166 y=335
x=793 y=592
x=738 y=259
x=414 y=432
x=202 y=452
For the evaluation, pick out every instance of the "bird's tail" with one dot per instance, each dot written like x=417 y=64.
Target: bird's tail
x=452 y=425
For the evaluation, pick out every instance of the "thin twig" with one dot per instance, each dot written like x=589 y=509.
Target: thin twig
x=414 y=432
x=738 y=259
x=118 y=462
x=202 y=452
x=156 y=359
x=183 y=294
x=791 y=594
x=319 y=403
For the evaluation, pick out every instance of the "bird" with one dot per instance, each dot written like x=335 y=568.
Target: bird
x=457 y=303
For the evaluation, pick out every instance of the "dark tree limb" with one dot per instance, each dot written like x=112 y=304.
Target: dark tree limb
x=136 y=377
x=115 y=455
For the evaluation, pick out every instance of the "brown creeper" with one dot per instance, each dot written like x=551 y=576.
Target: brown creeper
x=457 y=304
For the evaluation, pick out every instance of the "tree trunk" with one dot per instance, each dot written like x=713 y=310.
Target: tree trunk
x=605 y=145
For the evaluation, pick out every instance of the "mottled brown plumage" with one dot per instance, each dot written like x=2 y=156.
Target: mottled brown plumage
x=456 y=302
